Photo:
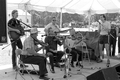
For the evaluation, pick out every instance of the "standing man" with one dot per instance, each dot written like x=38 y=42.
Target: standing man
x=104 y=30
x=13 y=24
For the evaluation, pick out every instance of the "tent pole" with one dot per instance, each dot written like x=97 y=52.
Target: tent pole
x=26 y=15
x=89 y=16
x=26 y=12
x=61 y=18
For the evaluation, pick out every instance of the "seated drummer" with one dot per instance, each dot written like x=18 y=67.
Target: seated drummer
x=52 y=41
x=70 y=44
x=31 y=55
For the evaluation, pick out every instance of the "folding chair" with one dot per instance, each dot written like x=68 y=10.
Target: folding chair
x=20 y=62
x=17 y=70
x=85 y=50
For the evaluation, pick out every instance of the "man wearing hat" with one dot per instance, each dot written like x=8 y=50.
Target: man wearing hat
x=30 y=50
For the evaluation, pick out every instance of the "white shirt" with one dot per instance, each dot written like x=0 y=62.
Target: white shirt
x=105 y=27
x=55 y=27
x=69 y=43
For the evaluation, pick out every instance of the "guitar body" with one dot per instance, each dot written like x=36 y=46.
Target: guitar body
x=14 y=35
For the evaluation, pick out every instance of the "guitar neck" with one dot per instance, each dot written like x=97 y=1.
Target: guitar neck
x=63 y=31
x=28 y=30
x=24 y=23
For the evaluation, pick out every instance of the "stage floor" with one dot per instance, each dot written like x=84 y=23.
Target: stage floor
x=6 y=66
x=75 y=73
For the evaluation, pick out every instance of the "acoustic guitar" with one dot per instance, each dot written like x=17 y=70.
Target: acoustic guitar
x=14 y=35
x=63 y=31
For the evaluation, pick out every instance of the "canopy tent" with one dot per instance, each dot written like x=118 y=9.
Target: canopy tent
x=88 y=7
x=21 y=12
x=73 y=6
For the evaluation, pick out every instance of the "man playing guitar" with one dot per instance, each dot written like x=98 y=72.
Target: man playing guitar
x=13 y=29
x=54 y=27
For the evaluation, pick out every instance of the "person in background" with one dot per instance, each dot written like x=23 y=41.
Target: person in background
x=113 y=38
x=53 y=25
x=55 y=28
x=13 y=25
x=104 y=30
x=31 y=55
x=118 y=34
x=71 y=45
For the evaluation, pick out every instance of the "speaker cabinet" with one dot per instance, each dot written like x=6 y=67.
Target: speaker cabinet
x=104 y=74
x=117 y=67
x=3 y=24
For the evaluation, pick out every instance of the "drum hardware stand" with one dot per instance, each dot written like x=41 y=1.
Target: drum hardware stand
x=67 y=68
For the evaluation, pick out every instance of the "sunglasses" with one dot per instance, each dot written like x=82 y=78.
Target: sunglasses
x=54 y=20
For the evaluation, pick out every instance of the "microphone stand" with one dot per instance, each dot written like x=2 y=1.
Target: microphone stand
x=24 y=23
x=10 y=43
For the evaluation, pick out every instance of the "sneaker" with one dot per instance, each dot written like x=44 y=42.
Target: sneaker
x=80 y=65
x=99 y=60
x=72 y=65
x=15 y=68
x=44 y=77
x=77 y=64
x=57 y=65
x=52 y=71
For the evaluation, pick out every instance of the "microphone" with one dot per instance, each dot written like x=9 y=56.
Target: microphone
x=100 y=22
x=44 y=35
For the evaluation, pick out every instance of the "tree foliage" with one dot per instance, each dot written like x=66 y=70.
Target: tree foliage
x=43 y=18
